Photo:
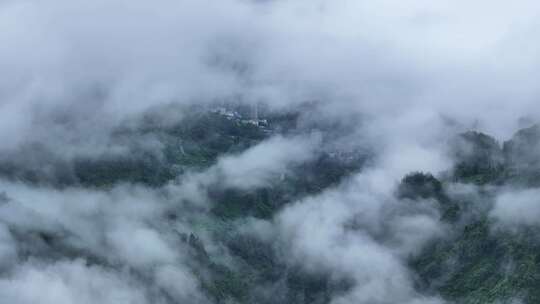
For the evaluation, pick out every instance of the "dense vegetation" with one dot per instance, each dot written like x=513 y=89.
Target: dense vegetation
x=479 y=263
x=475 y=263
x=193 y=145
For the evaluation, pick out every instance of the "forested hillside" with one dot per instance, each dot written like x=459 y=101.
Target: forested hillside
x=478 y=259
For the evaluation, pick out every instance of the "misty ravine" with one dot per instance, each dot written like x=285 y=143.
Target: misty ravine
x=269 y=152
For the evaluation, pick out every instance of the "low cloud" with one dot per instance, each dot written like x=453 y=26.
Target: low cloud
x=355 y=232
x=518 y=207
x=69 y=282
x=125 y=229
x=254 y=168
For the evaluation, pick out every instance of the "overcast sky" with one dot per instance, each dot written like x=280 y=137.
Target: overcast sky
x=463 y=60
